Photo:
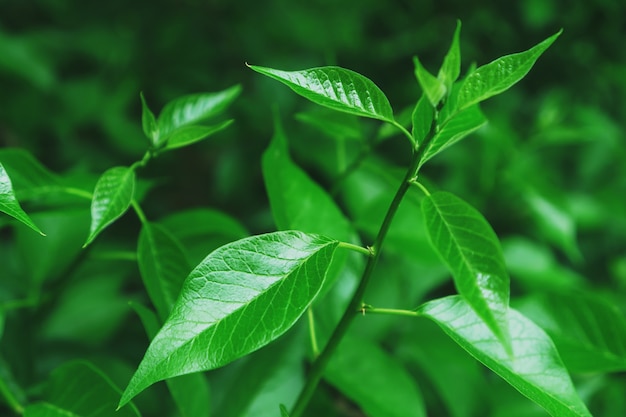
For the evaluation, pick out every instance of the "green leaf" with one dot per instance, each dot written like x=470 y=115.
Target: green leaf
x=534 y=369
x=163 y=266
x=283 y=411
x=191 y=109
x=469 y=246
x=501 y=74
x=10 y=205
x=335 y=125
x=336 y=88
x=422 y=119
x=187 y=135
x=28 y=176
x=223 y=311
x=589 y=332
x=455 y=129
x=111 y=198
x=363 y=372
x=148 y=122
x=432 y=87
x=451 y=67
x=77 y=389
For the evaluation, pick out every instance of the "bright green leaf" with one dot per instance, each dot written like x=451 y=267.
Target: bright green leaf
x=374 y=380
x=422 y=119
x=337 y=88
x=534 y=369
x=432 y=87
x=187 y=135
x=451 y=67
x=501 y=74
x=163 y=266
x=469 y=246
x=148 y=122
x=10 y=205
x=455 y=129
x=111 y=198
x=589 y=332
x=191 y=109
x=223 y=311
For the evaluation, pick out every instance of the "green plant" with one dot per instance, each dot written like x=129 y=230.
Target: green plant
x=251 y=291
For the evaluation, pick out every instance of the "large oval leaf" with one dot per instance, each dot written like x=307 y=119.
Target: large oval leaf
x=241 y=297
x=111 y=198
x=10 y=205
x=534 y=368
x=470 y=248
x=337 y=88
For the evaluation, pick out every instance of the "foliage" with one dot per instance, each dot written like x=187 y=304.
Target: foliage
x=372 y=270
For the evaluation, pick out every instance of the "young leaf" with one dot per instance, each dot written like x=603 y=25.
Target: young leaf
x=148 y=122
x=432 y=87
x=163 y=266
x=187 y=135
x=111 y=198
x=470 y=248
x=362 y=371
x=455 y=129
x=337 y=88
x=241 y=297
x=191 y=109
x=10 y=205
x=534 y=369
x=422 y=119
x=451 y=67
x=501 y=74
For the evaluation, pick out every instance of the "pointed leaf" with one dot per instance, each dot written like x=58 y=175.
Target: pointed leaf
x=191 y=109
x=10 y=205
x=589 y=332
x=111 y=198
x=240 y=298
x=363 y=371
x=534 y=369
x=163 y=266
x=187 y=135
x=501 y=74
x=470 y=248
x=464 y=123
x=337 y=88
x=451 y=67
x=432 y=87
x=422 y=119
x=148 y=122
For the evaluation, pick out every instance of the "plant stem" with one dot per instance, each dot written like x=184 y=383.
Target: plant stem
x=322 y=360
x=391 y=311
x=356 y=248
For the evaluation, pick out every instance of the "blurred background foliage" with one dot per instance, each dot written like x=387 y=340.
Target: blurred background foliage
x=549 y=171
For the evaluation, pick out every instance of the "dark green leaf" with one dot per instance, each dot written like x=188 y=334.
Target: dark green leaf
x=469 y=246
x=337 y=88
x=283 y=411
x=363 y=372
x=187 y=135
x=422 y=119
x=589 y=332
x=432 y=87
x=111 y=198
x=191 y=109
x=10 y=205
x=148 y=122
x=499 y=75
x=163 y=266
x=455 y=129
x=534 y=368
x=451 y=67
x=223 y=311
x=27 y=175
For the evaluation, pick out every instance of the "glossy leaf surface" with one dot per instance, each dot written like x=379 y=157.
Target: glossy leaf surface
x=433 y=87
x=337 y=88
x=470 y=248
x=192 y=109
x=462 y=124
x=500 y=74
x=222 y=312
x=10 y=205
x=111 y=198
x=163 y=266
x=535 y=368
x=358 y=361
x=422 y=119
x=451 y=67
x=187 y=135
